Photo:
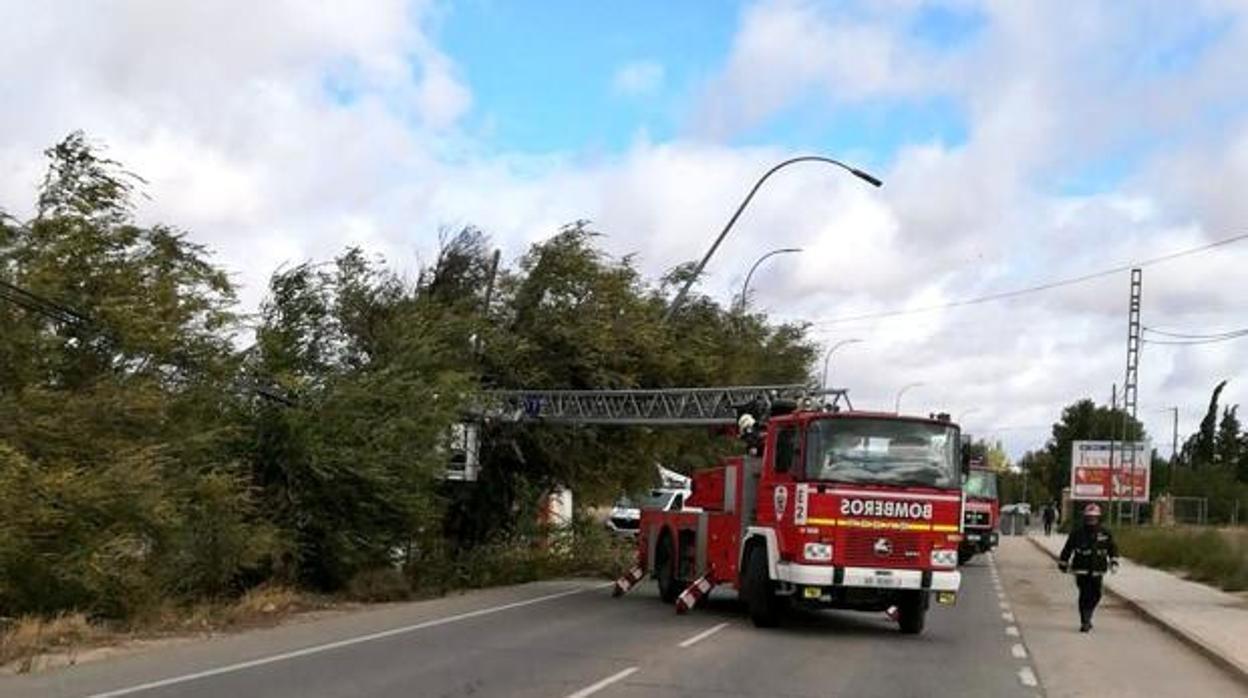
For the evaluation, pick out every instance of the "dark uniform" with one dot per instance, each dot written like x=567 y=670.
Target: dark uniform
x=1090 y=552
x=1049 y=516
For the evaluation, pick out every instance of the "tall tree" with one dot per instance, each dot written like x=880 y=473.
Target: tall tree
x=1085 y=421
x=1200 y=449
x=116 y=399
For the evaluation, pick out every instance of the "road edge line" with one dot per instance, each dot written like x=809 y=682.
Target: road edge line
x=329 y=646
x=1228 y=665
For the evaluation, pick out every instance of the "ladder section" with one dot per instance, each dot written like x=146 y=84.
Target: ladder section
x=662 y=407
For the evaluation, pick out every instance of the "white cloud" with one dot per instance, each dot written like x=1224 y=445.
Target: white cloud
x=638 y=78
x=276 y=132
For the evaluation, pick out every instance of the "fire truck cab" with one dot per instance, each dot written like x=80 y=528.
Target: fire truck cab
x=840 y=509
x=982 y=516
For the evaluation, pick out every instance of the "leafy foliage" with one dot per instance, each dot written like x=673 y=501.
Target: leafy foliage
x=144 y=455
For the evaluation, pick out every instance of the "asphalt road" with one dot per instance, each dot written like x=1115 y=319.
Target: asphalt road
x=572 y=639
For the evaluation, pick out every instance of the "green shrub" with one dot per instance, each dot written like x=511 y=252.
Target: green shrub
x=1212 y=556
x=379 y=584
x=584 y=550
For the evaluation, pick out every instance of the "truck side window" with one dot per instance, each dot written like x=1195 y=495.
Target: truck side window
x=786 y=449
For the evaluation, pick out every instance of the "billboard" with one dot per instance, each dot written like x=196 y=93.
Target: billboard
x=1090 y=477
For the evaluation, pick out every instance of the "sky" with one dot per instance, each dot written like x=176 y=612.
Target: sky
x=1019 y=143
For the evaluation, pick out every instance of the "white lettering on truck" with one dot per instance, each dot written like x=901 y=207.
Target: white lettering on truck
x=886 y=508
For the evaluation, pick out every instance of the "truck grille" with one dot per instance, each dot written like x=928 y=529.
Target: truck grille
x=977 y=518
x=860 y=549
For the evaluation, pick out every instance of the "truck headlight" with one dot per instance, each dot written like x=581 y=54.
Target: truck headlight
x=944 y=558
x=817 y=552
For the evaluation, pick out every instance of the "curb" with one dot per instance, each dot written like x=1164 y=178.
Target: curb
x=1227 y=664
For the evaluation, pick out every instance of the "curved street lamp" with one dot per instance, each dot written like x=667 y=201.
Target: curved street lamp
x=826 y=357
x=745 y=288
x=680 y=297
x=904 y=388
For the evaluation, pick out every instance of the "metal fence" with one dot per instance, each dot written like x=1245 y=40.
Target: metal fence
x=1190 y=510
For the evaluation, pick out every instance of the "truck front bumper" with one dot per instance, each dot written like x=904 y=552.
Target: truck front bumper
x=981 y=539
x=867 y=577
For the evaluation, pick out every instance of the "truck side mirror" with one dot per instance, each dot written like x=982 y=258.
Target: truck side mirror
x=966 y=463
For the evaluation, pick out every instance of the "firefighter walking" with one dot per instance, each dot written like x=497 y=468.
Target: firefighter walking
x=1089 y=552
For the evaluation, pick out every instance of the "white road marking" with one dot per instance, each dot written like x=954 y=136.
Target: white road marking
x=1007 y=617
x=703 y=635
x=590 y=690
x=1018 y=651
x=1011 y=630
x=1028 y=677
x=317 y=649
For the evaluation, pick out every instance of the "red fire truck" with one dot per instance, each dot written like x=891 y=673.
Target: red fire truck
x=982 y=515
x=829 y=508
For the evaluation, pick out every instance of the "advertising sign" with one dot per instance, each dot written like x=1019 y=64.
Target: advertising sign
x=1090 y=476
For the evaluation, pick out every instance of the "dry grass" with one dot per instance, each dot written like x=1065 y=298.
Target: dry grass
x=31 y=643
x=27 y=643
x=22 y=641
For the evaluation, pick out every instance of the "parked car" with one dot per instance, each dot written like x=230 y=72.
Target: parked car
x=1021 y=509
x=625 y=518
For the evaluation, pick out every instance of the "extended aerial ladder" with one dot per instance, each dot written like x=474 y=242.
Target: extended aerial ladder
x=663 y=407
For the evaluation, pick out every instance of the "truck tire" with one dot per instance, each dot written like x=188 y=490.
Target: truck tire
x=964 y=556
x=912 y=612
x=665 y=568
x=766 y=609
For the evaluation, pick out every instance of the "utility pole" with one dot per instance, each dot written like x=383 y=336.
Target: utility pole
x=1130 y=383
x=1174 y=443
x=1113 y=444
x=489 y=296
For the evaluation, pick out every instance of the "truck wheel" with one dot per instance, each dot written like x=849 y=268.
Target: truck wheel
x=964 y=556
x=766 y=608
x=912 y=612
x=665 y=569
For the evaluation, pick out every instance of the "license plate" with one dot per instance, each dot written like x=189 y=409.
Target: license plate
x=973 y=537
x=885 y=582
x=812 y=592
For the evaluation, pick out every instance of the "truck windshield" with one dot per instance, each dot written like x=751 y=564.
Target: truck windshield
x=882 y=451
x=982 y=484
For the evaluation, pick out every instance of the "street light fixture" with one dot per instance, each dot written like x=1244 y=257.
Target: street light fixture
x=904 y=388
x=745 y=288
x=824 y=383
x=697 y=272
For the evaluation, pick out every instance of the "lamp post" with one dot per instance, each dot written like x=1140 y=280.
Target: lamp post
x=826 y=357
x=680 y=297
x=904 y=388
x=745 y=288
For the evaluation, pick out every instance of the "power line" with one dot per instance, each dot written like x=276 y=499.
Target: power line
x=1038 y=288
x=40 y=305
x=1194 y=342
x=1180 y=335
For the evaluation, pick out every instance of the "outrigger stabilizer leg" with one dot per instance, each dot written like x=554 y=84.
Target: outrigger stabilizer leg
x=695 y=593
x=625 y=584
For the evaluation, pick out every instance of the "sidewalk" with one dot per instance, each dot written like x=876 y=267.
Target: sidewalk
x=1212 y=621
